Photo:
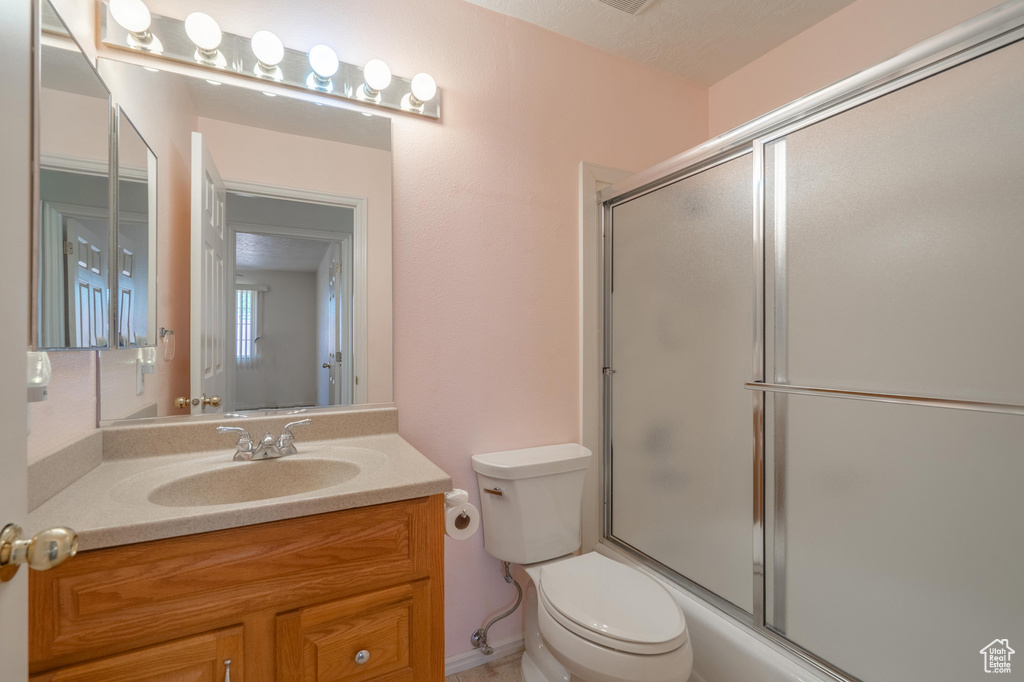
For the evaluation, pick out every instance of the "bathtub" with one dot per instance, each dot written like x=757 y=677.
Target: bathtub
x=722 y=650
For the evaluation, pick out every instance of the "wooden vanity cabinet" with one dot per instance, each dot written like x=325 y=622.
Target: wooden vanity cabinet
x=289 y=601
x=203 y=658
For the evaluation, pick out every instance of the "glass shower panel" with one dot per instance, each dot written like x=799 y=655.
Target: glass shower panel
x=898 y=225
x=904 y=536
x=681 y=334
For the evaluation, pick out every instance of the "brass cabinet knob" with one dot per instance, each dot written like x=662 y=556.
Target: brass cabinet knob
x=44 y=550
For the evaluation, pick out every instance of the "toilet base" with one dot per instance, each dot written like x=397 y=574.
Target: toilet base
x=538 y=663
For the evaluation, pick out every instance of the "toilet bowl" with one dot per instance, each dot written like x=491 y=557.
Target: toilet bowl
x=602 y=621
x=588 y=618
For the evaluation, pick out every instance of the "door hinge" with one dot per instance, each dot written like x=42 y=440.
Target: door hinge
x=337 y=268
x=69 y=248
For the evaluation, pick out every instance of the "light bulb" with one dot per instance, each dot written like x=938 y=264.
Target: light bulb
x=132 y=15
x=423 y=87
x=324 y=61
x=203 y=30
x=377 y=75
x=268 y=49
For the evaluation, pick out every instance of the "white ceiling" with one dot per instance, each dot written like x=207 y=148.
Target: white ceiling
x=271 y=252
x=700 y=40
x=254 y=251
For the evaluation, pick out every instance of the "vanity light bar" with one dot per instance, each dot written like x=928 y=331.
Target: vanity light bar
x=168 y=38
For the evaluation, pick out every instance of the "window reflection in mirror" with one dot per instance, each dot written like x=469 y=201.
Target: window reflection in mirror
x=275 y=264
x=74 y=199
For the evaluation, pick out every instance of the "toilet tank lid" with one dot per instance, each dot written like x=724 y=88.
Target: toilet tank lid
x=530 y=462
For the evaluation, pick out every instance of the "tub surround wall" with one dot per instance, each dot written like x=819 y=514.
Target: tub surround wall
x=858 y=36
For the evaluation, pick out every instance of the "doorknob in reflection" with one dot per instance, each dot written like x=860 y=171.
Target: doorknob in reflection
x=326 y=365
x=44 y=550
x=213 y=400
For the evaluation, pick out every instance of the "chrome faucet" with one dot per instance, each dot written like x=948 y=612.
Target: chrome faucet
x=286 y=441
x=268 y=447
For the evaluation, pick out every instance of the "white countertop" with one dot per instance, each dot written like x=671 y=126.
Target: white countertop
x=111 y=504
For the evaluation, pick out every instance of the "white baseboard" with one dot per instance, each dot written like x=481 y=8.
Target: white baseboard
x=473 y=658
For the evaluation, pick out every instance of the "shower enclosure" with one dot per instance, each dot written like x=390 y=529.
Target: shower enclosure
x=814 y=350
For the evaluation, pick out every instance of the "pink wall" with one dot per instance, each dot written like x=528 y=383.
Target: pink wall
x=854 y=38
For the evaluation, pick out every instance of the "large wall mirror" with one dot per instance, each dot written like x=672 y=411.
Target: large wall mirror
x=274 y=287
x=74 y=244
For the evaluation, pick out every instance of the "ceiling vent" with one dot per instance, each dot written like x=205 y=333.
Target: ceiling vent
x=628 y=6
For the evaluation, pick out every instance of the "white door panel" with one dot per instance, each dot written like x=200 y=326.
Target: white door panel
x=15 y=136
x=209 y=289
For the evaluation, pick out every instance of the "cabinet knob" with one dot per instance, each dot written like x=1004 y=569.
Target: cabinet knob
x=362 y=657
x=46 y=549
x=227 y=670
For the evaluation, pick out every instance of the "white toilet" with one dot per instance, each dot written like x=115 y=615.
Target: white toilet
x=588 y=617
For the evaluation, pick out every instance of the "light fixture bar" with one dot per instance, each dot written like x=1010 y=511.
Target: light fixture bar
x=235 y=56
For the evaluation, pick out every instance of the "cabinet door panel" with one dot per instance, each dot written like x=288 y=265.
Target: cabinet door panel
x=321 y=643
x=195 y=659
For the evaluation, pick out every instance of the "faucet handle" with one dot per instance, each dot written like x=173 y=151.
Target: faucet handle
x=287 y=431
x=286 y=441
x=244 y=446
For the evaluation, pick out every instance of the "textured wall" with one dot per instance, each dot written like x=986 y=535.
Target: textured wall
x=854 y=38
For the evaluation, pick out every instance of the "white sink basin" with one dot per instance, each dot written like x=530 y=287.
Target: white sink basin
x=251 y=481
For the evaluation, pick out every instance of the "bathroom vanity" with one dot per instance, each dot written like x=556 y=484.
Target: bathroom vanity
x=323 y=565
x=354 y=595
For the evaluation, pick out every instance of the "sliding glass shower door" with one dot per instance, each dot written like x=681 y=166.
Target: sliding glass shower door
x=815 y=412
x=895 y=251
x=681 y=332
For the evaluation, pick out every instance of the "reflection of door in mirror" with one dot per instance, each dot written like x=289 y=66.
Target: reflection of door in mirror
x=292 y=269
x=73 y=201
x=209 y=299
x=74 y=261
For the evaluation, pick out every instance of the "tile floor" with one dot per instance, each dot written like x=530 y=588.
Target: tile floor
x=502 y=670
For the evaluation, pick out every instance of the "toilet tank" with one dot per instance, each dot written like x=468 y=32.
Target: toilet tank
x=530 y=501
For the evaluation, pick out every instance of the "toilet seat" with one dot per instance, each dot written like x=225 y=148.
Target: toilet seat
x=612 y=605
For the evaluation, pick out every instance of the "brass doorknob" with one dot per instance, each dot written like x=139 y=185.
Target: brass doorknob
x=44 y=550
x=326 y=365
x=213 y=400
